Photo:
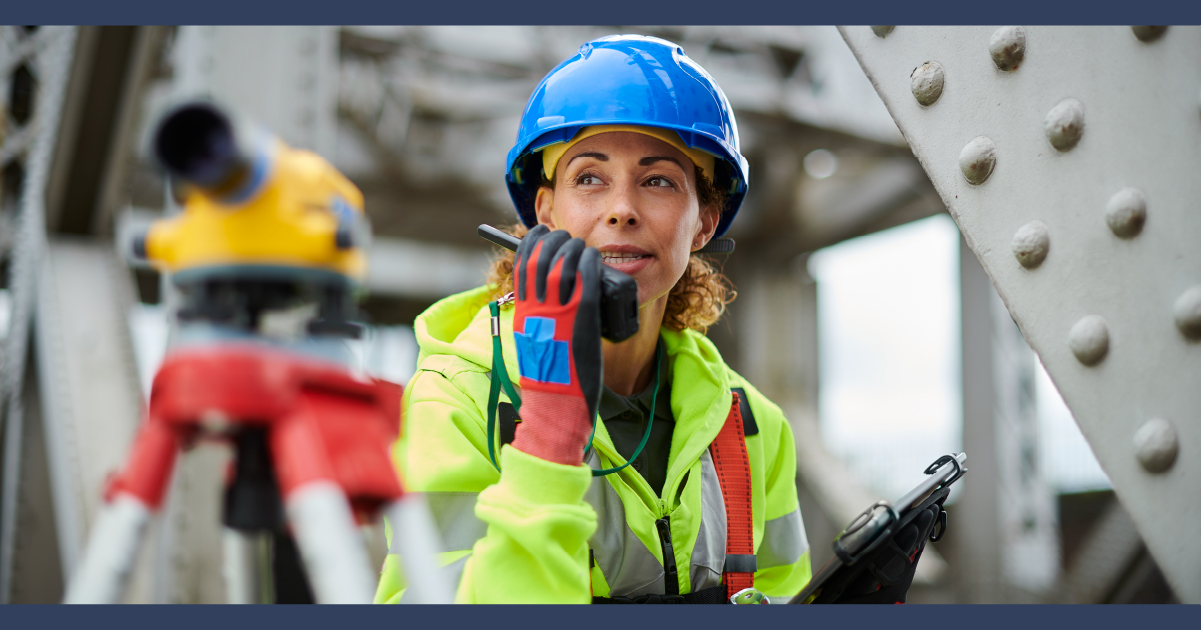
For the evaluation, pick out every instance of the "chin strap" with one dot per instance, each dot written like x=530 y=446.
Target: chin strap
x=500 y=378
x=717 y=246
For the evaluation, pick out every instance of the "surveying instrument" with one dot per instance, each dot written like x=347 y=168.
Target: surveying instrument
x=268 y=255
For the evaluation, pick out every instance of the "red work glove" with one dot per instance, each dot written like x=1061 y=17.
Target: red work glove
x=556 y=329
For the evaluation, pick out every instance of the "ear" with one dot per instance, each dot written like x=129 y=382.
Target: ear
x=544 y=205
x=708 y=226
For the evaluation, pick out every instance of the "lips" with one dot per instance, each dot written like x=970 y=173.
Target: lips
x=625 y=258
x=617 y=259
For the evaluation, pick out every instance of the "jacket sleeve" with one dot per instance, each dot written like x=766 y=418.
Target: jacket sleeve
x=519 y=536
x=783 y=552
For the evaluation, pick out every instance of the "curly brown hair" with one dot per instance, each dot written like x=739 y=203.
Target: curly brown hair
x=699 y=297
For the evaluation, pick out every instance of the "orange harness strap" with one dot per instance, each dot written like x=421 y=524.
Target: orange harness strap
x=734 y=473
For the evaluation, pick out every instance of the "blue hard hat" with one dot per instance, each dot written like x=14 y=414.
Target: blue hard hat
x=628 y=80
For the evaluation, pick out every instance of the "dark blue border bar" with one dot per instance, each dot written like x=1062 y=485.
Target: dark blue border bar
x=600 y=618
x=606 y=11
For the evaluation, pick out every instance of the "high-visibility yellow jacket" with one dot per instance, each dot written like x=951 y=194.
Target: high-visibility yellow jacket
x=544 y=532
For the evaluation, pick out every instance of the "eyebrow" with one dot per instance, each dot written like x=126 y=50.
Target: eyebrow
x=647 y=161
x=600 y=156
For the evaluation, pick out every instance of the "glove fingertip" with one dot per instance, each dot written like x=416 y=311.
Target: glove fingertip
x=526 y=252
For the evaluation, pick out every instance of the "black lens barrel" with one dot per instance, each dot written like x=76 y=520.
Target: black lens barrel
x=200 y=144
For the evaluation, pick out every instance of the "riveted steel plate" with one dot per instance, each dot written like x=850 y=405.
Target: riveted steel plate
x=1087 y=113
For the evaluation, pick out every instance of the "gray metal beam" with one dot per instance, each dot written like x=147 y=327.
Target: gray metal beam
x=36 y=567
x=85 y=161
x=1068 y=157
x=1111 y=548
x=845 y=211
x=979 y=558
x=53 y=64
x=285 y=77
x=1008 y=538
x=89 y=384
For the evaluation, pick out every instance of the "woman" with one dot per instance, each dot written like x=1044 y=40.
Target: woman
x=627 y=155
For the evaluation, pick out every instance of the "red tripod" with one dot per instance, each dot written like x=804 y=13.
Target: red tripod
x=308 y=434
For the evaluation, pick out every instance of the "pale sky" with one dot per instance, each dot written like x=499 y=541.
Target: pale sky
x=888 y=313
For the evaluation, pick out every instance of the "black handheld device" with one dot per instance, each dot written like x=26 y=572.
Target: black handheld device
x=876 y=556
x=619 y=292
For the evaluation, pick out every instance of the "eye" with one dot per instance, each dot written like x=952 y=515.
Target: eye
x=587 y=179
x=658 y=181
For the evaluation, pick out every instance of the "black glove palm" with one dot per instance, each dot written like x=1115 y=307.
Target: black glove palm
x=885 y=574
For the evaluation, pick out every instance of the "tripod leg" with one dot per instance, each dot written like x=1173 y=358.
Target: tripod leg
x=329 y=541
x=416 y=541
x=112 y=549
x=247 y=567
x=290 y=581
x=113 y=546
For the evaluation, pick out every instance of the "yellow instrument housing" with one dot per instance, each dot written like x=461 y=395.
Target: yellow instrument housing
x=291 y=220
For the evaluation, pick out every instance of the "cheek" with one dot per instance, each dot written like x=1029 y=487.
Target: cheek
x=679 y=258
x=675 y=237
x=680 y=235
x=574 y=217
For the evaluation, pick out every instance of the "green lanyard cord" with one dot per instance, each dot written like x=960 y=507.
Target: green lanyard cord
x=650 y=421
x=500 y=378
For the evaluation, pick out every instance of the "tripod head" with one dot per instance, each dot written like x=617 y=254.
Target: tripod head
x=265 y=227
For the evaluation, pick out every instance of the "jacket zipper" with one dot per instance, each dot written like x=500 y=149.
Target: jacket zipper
x=671 y=578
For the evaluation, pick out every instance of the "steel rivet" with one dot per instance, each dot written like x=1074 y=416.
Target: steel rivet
x=1089 y=339
x=1126 y=212
x=1187 y=311
x=977 y=160
x=1008 y=47
x=882 y=31
x=926 y=82
x=1149 y=33
x=1065 y=124
x=1030 y=244
x=1156 y=445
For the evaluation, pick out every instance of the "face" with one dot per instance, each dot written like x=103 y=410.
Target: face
x=634 y=198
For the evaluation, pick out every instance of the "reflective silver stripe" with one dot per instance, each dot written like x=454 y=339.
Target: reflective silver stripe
x=454 y=513
x=454 y=574
x=783 y=542
x=628 y=566
x=709 y=553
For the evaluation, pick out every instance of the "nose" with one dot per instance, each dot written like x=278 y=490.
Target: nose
x=623 y=210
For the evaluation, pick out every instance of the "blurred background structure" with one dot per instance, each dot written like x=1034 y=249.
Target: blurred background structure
x=860 y=310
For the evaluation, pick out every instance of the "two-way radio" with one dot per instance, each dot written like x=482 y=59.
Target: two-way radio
x=619 y=292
